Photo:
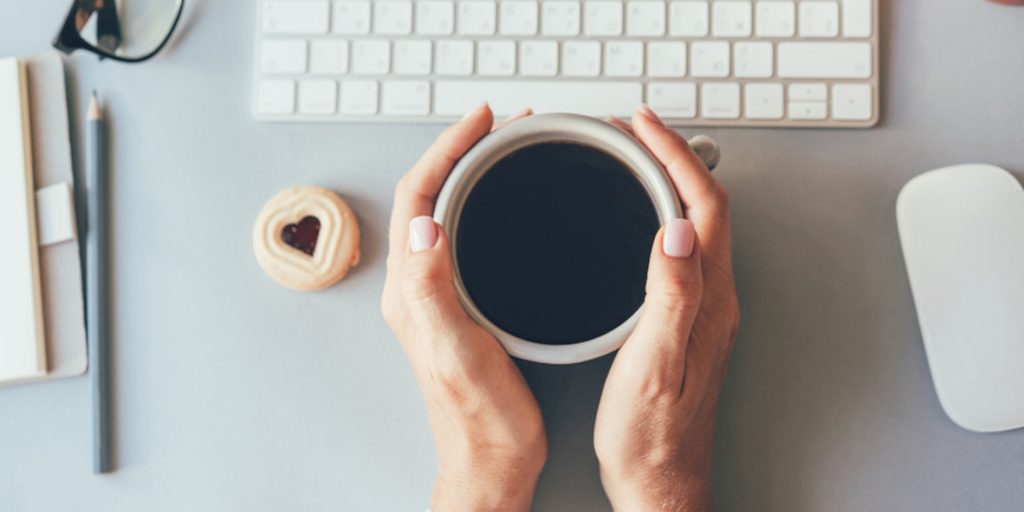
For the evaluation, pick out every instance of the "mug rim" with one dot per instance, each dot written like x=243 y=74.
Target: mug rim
x=528 y=131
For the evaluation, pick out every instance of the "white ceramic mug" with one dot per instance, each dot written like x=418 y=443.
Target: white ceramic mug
x=575 y=129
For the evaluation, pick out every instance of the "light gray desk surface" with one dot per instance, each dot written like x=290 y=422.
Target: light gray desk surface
x=235 y=394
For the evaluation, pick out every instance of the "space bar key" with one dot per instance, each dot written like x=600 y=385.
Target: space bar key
x=455 y=98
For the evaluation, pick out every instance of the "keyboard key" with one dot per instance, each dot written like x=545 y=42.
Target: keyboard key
x=435 y=17
x=518 y=18
x=405 y=98
x=673 y=99
x=295 y=17
x=808 y=110
x=412 y=57
x=857 y=19
x=811 y=91
x=351 y=17
x=392 y=17
x=455 y=98
x=276 y=97
x=776 y=18
x=496 y=58
x=477 y=17
x=688 y=18
x=720 y=100
x=454 y=57
x=371 y=57
x=666 y=59
x=851 y=102
x=538 y=58
x=824 y=60
x=763 y=101
x=731 y=19
x=819 y=18
x=624 y=58
x=602 y=18
x=645 y=18
x=328 y=57
x=709 y=59
x=279 y=56
x=581 y=58
x=753 y=60
x=560 y=18
x=318 y=97
x=359 y=97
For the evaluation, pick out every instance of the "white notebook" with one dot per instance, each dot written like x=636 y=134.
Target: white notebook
x=22 y=340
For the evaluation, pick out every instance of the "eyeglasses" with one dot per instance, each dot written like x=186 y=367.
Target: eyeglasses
x=123 y=30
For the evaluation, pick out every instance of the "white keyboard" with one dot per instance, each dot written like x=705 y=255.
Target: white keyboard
x=696 y=62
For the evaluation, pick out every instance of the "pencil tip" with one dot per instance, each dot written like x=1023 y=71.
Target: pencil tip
x=94 y=107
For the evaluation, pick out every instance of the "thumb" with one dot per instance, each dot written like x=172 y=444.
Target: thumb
x=674 y=291
x=674 y=280
x=428 y=288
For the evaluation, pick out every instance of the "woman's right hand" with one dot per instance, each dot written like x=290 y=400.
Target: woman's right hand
x=656 y=417
x=488 y=431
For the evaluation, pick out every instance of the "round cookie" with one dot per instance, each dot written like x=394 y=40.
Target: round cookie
x=306 y=238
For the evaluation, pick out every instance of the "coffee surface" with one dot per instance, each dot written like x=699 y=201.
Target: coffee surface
x=554 y=241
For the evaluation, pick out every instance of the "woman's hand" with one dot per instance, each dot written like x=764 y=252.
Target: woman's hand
x=487 y=426
x=657 y=412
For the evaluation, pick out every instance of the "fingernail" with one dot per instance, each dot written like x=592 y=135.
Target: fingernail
x=422 y=233
x=474 y=111
x=518 y=115
x=649 y=114
x=678 y=239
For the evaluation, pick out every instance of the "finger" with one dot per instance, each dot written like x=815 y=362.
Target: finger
x=656 y=351
x=622 y=125
x=527 y=112
x=703 y=197
x=427 y=287
x=417 y=190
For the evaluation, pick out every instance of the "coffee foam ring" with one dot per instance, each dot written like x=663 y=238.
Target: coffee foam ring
x=337 y=244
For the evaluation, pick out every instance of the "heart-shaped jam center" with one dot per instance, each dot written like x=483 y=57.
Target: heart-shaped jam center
x=303 y=234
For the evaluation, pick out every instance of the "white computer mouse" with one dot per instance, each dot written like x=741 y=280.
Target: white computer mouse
x=962 y=231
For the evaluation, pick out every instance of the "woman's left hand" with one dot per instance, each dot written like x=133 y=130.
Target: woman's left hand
x=656 y=420
x=487 y=426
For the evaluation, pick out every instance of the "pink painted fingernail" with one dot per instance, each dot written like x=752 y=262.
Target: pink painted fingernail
x=422 y=233
x=679 y=238
x=649 y=114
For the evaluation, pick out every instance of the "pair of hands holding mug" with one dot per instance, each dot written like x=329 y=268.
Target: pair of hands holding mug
x=656 y=417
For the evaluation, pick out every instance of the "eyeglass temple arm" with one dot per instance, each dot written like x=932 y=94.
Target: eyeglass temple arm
x=108 y=27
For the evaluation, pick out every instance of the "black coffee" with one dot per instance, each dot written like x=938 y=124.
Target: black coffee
x=554 y=241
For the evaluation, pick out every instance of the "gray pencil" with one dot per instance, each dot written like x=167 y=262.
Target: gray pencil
x=97 y=285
